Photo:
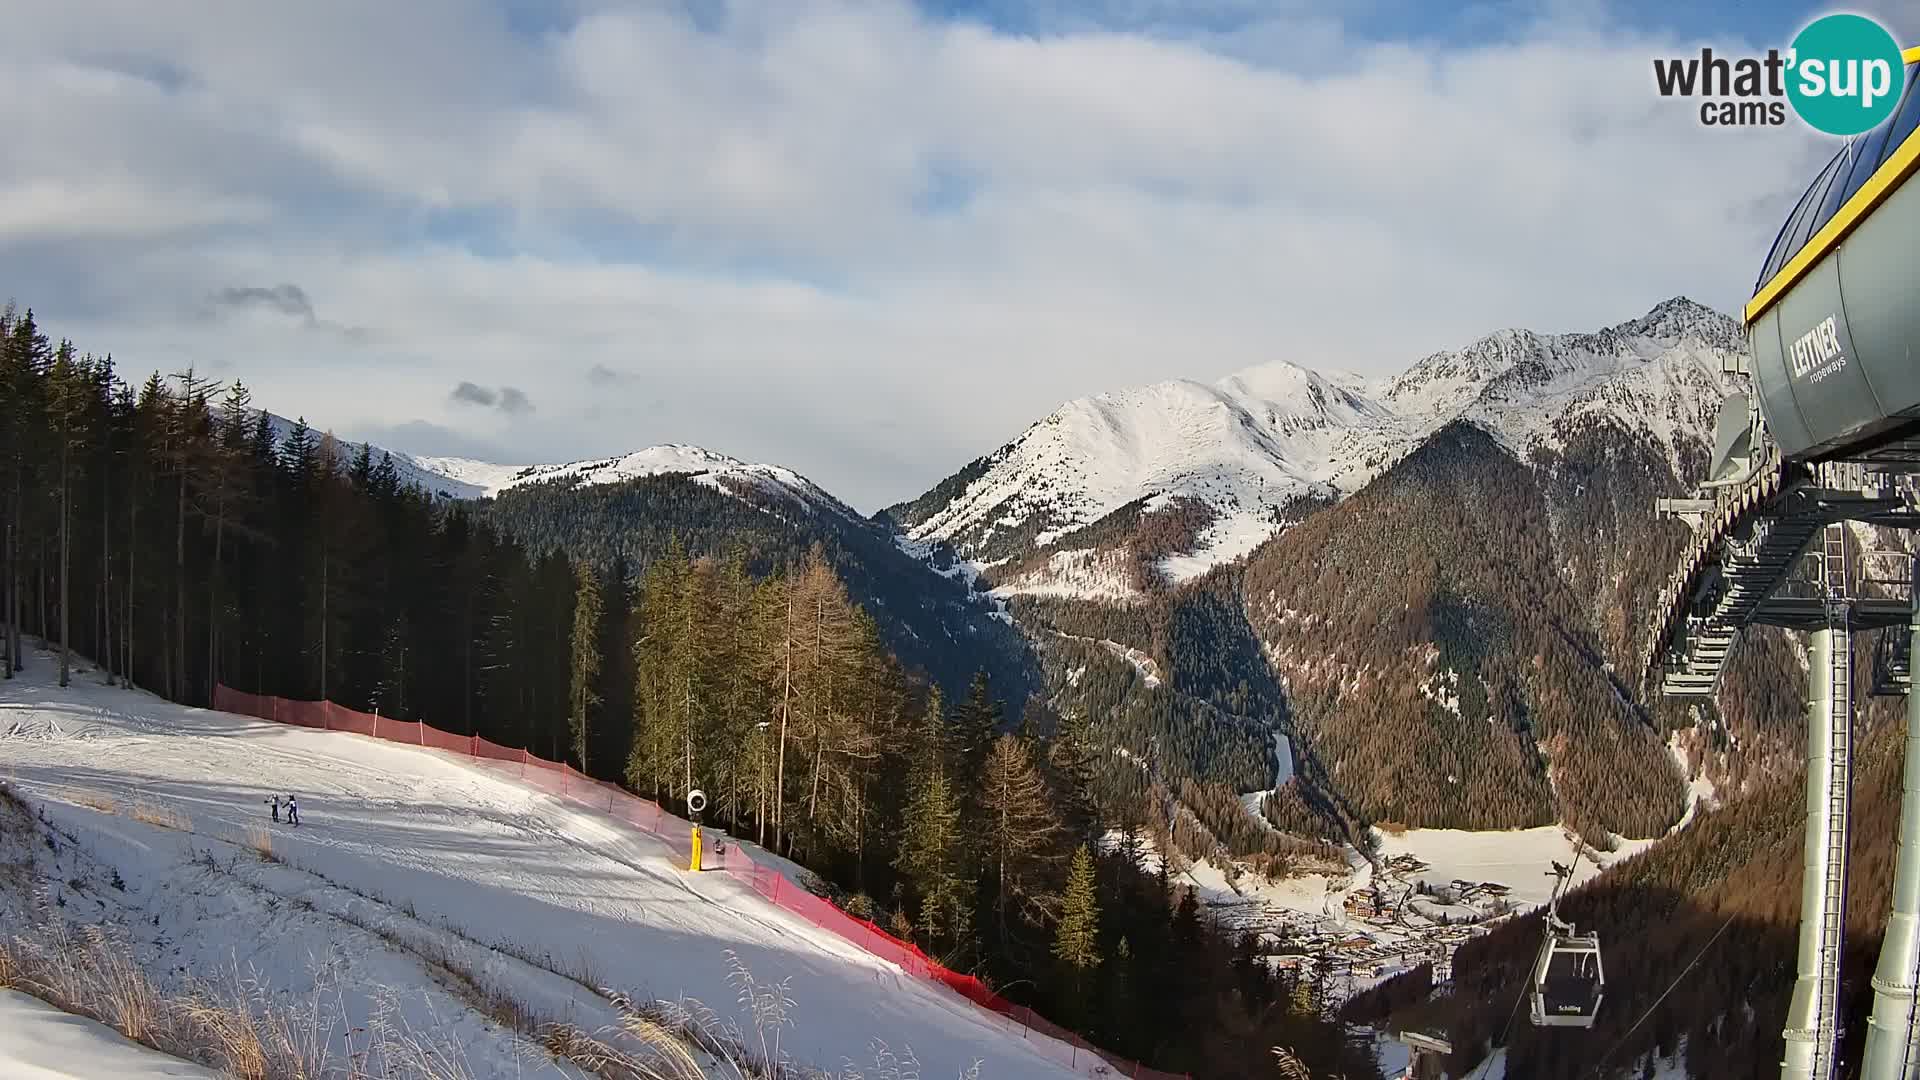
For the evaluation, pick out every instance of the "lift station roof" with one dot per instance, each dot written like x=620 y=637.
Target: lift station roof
x=1834 y=323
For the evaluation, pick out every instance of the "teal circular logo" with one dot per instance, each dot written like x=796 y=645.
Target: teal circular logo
x=1845 y=74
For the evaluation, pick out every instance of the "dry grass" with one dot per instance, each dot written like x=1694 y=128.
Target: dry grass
x=592 y=1056
x=259 y=838
x=11 y=800
x=165 y=817
x=237 y=1030
x=94 y=800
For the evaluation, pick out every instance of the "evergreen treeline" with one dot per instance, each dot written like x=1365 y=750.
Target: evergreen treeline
x=171 y=533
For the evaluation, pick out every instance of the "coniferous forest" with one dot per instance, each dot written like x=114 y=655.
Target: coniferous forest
x=167 y=529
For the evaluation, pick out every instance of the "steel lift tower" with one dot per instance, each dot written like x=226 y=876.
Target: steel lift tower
x=1826 y=441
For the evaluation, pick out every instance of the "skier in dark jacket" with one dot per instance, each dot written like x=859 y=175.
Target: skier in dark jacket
x=293 y=812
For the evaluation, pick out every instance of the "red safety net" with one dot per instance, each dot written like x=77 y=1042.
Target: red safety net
x=339 y=719
x=405 y=731
x=561 y=779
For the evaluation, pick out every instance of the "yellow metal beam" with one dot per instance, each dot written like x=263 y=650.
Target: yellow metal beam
x=1884 y=182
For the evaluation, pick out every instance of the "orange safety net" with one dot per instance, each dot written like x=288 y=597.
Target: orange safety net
x=561 y=779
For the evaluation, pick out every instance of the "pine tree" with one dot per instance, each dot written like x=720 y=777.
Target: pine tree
x=1076 y=937
x=69 y=391
x=24 y=357
x=586 y=656
x=223 y=495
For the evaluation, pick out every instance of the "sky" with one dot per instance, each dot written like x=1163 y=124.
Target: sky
x=868 y=240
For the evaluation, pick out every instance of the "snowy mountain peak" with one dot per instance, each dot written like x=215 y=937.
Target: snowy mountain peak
x=1681 y=318
x=1239 y=451
x=709 y=467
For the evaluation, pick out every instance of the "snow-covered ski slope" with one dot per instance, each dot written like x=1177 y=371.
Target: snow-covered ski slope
x=497 y=862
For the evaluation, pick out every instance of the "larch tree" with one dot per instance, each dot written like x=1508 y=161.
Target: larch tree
x=1018 y=834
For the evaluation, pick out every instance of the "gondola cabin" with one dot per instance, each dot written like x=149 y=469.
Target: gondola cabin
x=1568 y=982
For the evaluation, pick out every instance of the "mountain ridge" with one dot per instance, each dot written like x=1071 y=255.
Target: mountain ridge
x=1243 y=448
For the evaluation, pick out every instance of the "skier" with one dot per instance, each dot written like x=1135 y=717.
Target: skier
x=293 y=812
x=275 y=803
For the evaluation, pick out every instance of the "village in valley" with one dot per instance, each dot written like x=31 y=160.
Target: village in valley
x=1414 y=901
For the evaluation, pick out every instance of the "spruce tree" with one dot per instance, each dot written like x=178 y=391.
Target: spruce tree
x=975 y=724
x=68 y=393
x=930 y=839
x=1076 y=937
x=1073 y=762
x=586 y=656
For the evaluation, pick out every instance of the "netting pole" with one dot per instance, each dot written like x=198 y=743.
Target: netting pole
x=376 y=721
x=423 y=732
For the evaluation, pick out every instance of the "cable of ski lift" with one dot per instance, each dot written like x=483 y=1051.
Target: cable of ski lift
x=1697 y=957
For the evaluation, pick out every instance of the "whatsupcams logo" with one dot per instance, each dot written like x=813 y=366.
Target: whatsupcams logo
x=1842 y=75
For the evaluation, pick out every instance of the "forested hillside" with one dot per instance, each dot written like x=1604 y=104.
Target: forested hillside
x=1735 y=873
x=1441 y=646
x=1440 y=660
x=165 y=531
x=935 y=623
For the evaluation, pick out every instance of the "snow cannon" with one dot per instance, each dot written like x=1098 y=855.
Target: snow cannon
x=1833 y=323
x=696 y=802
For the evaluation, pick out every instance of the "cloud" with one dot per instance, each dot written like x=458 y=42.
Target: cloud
x=469 y=394
x=851 y=212
x=509 y=400
x=286 y=299
x=514 y=402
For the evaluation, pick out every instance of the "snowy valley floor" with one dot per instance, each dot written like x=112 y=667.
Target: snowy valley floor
x=423 y=890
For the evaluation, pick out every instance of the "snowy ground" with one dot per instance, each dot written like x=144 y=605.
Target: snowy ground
x=432 y=851
x=39 y=1042
x=1519 y=858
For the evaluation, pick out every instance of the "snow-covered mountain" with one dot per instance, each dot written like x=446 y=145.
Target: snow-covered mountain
x=411 y=469
x=1236 y=454
x=706 y=467
x=467 y=478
